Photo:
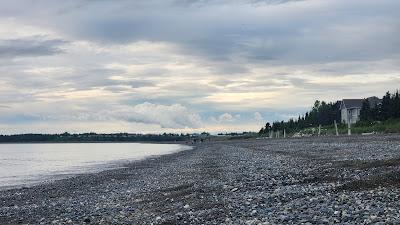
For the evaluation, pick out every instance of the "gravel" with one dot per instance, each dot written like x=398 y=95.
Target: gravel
x=324 y=180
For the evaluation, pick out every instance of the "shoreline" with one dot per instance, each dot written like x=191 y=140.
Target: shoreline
x=46 y=179
x=94 y=142
x=315 y=180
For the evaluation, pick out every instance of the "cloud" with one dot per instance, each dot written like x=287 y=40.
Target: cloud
x=167 y=116
x=258 y=116
x=30 y=47
x=205 y=3
x=291 y=32
x=225 y=118
x=173 y=116
x=121 y=61
x=261 y=32
x=4 y=107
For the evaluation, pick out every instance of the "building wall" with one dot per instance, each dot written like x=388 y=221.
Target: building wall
x=344 y=116
x=355 y=115
x=350 y=115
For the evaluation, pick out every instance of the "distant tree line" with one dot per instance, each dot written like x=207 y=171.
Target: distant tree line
x=324 y=114
x=92 y=137
x=388 y=109
x=236 y=133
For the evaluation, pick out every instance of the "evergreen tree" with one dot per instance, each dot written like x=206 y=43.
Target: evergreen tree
x=366 y=113
x=396 y=105
x=385 y=109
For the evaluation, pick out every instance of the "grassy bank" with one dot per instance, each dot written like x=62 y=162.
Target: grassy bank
x=389 y=126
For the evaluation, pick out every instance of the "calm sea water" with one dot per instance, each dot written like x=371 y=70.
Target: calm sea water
x=28 y=164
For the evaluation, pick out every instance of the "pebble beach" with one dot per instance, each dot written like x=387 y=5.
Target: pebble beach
x=317 y=180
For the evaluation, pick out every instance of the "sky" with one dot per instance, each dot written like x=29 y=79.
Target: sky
x=188 y=65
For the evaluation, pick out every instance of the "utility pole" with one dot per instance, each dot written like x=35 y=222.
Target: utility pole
x=319 y=130
x=349 y=128
x=349 y=124
x=337 y=132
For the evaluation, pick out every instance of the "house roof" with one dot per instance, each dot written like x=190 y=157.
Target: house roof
x=357 y=103
x=351 y=103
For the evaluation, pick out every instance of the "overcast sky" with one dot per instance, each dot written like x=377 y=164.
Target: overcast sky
x=188 y=65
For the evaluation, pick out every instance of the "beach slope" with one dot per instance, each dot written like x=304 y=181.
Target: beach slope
x=292 y=181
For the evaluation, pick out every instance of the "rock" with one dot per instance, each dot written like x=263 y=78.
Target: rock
x=179 y=216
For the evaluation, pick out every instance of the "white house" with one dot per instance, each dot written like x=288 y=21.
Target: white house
x=350 y=108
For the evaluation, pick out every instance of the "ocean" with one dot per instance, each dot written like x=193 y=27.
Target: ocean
x=29 y=164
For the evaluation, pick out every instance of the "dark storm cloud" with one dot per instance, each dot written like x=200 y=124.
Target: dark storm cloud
x=30 y=47
x=257 y=31
x=260 y=35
